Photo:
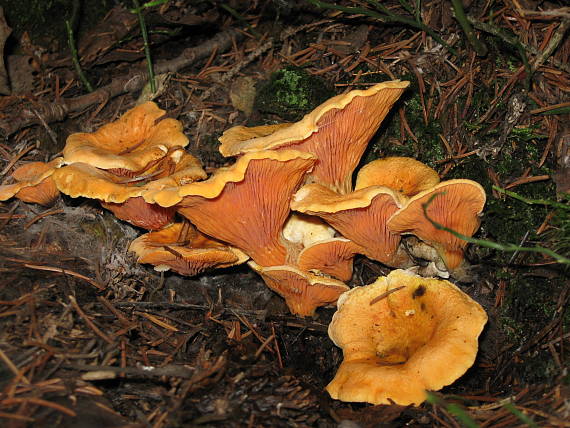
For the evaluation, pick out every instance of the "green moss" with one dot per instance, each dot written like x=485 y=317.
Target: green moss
x=291 y=93
x=531 y=304
x=428 y=149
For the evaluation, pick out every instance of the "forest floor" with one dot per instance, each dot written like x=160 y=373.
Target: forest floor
x=81 y=321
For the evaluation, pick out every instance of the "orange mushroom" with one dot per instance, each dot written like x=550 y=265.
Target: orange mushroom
x=123 y=195
x=246 y=204
x=312 y=247
x=405 y=175
x=33 y=183
x=360 y=216
x=401 y=336
x=128 y=145
x=183 y=249
x=454 y=204
x=303 y=291
x=333 y=257
x=336 y=132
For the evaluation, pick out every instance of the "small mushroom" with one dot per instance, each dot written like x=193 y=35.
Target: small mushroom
x=405 y=175
x=33 y=183
x=401 y=336
x=336 y=132
x=183 y=249
x=454 y=204
x=360 y=216
x=332 y=257
x=312 y=247
x=245 y=205
x=303 y=291
x=128 y=145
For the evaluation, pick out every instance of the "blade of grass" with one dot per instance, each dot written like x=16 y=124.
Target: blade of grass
x=491 y=244
x=138 y=11
x=453 y=409
x=75 y=57
x=546 y=202
x=522 y=417
x=477 y=44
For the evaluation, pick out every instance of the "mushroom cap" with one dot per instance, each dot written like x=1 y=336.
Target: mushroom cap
x=130 y=143
x=399 y=343
x=457 y=206
x=405 y=175
x=140 y=213
x=303 y=291
x=122 y=195
x=244 y=133
x=311 y=247
x=360 y=216
x=333 y=257
x=81 y=179
x=185 y=250
x=33 y=183
x=246 y=204
x=337 y=132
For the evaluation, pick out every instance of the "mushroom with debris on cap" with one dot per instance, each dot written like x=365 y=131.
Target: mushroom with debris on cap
x=183 y=249
x=454 y=204
x=360 y=216
x=33 y=183
x=402 y=336
x=333 y=257
x=405 y=175
x=129 y=145
x=303 y=292
x=312 y=247
x=122 y=195
x=245 y=205
x=336 y=132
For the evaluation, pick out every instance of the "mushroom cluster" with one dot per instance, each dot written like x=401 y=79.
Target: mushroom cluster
x=288 y=207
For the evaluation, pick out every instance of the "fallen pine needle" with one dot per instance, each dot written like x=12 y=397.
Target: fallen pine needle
x=89 y=322
x=66 y=272
x=39 y=402
x=386 y=294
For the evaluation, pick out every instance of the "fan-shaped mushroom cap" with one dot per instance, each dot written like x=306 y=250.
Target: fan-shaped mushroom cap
x=405 y=175
x=360 y=216
x=142 y=214
x=130 y=143
x=183 y=249
x=337 y=132
x=247 y=204
x=80 y=179
x=331 y=256
x=303 y=291
x=401 y=336
x=457 y=206
x=311 y=247
x=33 y=183
x=123 y=195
